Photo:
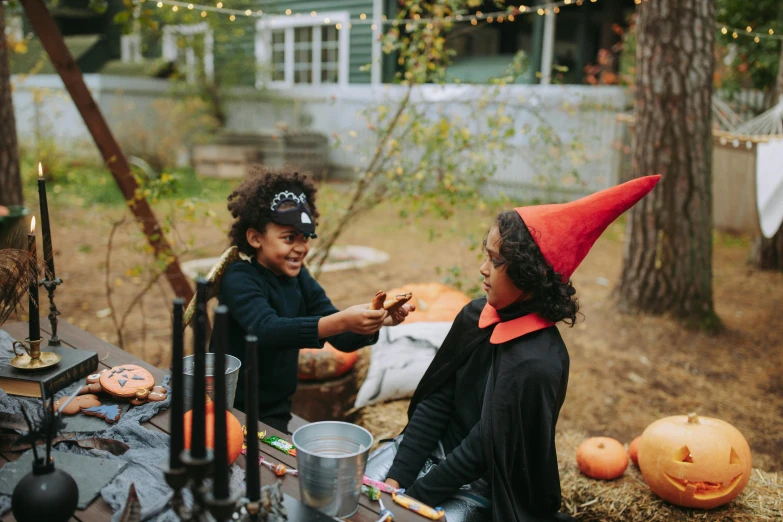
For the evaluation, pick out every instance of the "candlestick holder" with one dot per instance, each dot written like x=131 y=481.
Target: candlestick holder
x=206 y=508
x=51 y=285
x=31 y=357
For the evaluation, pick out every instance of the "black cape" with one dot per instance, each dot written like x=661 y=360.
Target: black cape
x=525 y=391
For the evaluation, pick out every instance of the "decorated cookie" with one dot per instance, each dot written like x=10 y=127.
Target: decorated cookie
x=78 y=404
x=111 y=413
x=126 y=380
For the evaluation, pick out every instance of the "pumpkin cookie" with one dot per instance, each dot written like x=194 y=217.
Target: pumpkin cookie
x=78 y=404
x=126 y=380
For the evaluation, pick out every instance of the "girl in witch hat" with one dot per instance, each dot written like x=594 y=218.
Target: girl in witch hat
x=480 y=440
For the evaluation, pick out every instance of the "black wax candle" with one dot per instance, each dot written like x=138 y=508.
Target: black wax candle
x=252 y=473
x=176 y=420
x=47 y=232
x=220 y=478
x=198 y=449
x=34 y=321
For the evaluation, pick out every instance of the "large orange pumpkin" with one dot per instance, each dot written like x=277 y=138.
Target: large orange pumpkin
x=696 y=462
x=320 y=364
x=235 y=437
x=602 y=458
x=435 y=302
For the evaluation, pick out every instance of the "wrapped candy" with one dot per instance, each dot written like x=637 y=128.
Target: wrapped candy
x=372 y=493
x=417 y=507
x=382 y=486
x=281 y=444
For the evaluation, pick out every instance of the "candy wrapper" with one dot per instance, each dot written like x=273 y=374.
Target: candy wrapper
x=371 y=492
x=417 y=507
x=281 y=444
x=367 y=481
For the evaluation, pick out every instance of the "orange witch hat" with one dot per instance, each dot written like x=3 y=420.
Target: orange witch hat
x=565 y=233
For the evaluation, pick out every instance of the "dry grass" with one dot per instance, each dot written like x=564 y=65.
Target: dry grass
x=629 y=500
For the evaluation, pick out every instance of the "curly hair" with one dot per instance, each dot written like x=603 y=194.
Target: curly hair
x=250 y=202
x=530 y=271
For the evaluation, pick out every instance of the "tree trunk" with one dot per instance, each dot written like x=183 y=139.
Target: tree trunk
x=667 y=263
x=10 y=180
x=767 y=254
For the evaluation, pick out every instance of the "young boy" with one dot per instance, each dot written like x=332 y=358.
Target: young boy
x=274 y=297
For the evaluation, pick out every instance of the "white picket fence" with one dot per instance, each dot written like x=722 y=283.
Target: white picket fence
x=579 y=115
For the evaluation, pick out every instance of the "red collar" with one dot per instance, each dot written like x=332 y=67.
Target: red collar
x=509 y=330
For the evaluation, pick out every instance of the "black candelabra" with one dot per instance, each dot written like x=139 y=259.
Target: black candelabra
x=51 y=285
x=189 y=468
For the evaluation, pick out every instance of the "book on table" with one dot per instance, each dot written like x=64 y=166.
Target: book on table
x=74 y=365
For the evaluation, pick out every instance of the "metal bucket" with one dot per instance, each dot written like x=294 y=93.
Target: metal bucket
x=331 y=457
x=232 y=377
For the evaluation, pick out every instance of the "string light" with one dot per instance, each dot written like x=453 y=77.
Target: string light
x=203 y=14
x=499 y=16
x=338 y=26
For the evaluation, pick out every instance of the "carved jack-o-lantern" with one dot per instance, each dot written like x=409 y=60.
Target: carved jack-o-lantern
x=694 y=461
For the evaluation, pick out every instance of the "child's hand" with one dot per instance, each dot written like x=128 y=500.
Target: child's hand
x=361 y=320
x=399 y=315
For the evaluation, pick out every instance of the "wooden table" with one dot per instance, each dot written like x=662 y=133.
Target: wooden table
x=109 y=355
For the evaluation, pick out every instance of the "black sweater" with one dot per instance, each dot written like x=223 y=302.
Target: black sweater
x=283 y=312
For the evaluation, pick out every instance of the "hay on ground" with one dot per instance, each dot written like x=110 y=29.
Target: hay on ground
x=628 y=499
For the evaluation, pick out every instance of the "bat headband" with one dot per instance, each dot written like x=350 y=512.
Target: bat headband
x=291 y=209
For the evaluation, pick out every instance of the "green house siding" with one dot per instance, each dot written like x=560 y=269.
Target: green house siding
x=361 y=34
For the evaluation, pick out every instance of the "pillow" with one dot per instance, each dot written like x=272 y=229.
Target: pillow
x=399 y=359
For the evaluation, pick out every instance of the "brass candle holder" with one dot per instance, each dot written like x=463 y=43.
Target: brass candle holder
x=31 y=357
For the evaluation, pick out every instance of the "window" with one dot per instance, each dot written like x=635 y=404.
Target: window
x=278 y=56
x=301 y=51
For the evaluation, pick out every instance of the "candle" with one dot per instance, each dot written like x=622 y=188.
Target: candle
x=251 y=405
x=198 y=449
x=47 y=233
x=34 y=325
x=176 y=421
x=220 y=479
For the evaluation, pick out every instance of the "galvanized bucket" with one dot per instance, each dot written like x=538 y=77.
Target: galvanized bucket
x=331 y=457
x=232 y=377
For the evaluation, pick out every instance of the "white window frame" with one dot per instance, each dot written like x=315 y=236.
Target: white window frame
x=171 y=52
x=263 y=47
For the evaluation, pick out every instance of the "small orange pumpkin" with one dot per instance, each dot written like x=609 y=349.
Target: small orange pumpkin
x=602 y=458
x=633 y=450
x=235 y=437
x=321 y=364
x=696 y=462
x=435 y=302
